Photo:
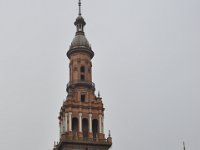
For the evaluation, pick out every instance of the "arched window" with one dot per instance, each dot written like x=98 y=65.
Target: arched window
x=85 y=128
x=94 y=128
x=82 y=75
x=82 y=69
x=82 y=98
x=75 y=127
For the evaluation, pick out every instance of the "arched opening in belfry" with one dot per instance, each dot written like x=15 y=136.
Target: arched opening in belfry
x=82 y=77
x=85 y=128
x=95 y=128
x=82 y=70
x=75 y=127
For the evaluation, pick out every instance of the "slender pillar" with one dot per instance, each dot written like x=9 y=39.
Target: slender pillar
x=66 y=126
x=70 y=121
x=90 y=135
x=80 y=122
x=60 y=129
x=103 y=124
x=80 y=133
x=90 y=123
x=63 y=126
x=100 y=123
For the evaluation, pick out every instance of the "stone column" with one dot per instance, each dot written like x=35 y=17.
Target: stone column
x=60 y=129
x=61 y=126
x=70 y=74
x=90 y=135
x=80 y=122
x=80 y=133
x=70 y=121
x=66 y=126
x=90 y=123
x=103 y=124
x=100 y=123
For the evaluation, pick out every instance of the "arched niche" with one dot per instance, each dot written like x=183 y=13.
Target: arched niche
x=85 y=128
x=94 y=128
x=75 y=126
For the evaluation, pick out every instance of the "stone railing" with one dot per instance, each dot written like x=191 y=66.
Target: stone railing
x=74 y=83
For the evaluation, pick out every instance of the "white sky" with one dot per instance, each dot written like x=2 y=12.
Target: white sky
x=146 y=65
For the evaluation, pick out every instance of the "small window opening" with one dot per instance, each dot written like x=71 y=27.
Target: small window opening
x=79 y=27
x=82 y=69
x=82 y=98
x=82 y=77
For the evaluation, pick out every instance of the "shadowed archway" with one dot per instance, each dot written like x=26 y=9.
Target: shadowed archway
x=95 y=128
x=85 y=128
x=75 y=127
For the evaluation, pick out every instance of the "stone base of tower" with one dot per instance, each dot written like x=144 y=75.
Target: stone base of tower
x=82 y=145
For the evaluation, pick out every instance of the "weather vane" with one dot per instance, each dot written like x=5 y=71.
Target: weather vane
x=79 y=4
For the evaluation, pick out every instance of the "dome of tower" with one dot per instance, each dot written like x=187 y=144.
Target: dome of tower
x=80 y=40
x=80 y=44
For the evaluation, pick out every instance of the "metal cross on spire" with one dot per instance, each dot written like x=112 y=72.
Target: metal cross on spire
x=79 y=4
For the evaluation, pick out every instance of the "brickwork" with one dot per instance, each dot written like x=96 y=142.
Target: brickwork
x=81 y=116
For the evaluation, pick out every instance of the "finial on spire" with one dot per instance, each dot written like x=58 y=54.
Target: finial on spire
x=98 y=94
x=79 y=4
x=109 y=134
x=183 y=145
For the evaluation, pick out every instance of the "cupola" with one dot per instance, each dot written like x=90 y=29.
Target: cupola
x=80 y=42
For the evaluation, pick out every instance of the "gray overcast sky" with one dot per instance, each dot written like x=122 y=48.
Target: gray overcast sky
x=146 y=65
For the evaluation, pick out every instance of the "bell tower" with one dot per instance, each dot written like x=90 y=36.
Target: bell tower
x=81 y=117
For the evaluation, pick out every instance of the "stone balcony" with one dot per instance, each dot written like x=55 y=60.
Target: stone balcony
x=92 y=142
x=73 y=84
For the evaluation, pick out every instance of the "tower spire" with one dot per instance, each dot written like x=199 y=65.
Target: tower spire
x=79 y=5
